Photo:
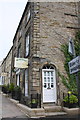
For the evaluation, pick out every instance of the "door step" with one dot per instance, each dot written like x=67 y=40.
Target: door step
x=52 y=109
x=55 y=113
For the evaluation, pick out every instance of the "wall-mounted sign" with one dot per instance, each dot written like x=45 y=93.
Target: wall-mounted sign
x=74 y=65
x=4 y=74
x=21 y=63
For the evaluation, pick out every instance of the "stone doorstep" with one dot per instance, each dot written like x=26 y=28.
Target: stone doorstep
x=71 y=111
x=55 y=113
x=53 y=108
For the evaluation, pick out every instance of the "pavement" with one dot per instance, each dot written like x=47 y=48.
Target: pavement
x=9 y=111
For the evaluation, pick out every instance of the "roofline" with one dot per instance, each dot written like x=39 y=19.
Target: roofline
x=6 y=55
x=21 y=20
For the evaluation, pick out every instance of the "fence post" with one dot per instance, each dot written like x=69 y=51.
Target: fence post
x=68 y=99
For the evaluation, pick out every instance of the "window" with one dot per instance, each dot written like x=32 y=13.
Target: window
x=48 y=76
x=26 y=82
x=27 y=44
x=20 y=33
x=18 y=79
x=28 y=15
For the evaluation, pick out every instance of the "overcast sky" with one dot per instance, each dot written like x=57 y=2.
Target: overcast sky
x=10 y=15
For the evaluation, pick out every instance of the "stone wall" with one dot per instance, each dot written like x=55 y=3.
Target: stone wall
x=54 y=23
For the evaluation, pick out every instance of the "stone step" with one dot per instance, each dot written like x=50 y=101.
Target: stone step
x=55 y=113
x=52 y=109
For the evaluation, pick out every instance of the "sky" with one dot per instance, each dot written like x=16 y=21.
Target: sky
x=10 y=15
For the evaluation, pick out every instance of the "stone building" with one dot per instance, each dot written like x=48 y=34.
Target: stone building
x=6 y=68
x=43 y=28
x=0 y=73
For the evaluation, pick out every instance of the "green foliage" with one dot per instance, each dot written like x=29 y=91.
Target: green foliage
x=17 y=89
x=11 y=87
x=77 y=43
x=34 y=101
x=5 y=88
x=70 y=80
x=71 y=99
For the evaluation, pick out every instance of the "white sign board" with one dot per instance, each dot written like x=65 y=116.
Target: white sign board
x=3 y=74
x=21 y=63
x=74 y=65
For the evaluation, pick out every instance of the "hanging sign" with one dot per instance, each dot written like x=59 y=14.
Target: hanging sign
x=4 y=74
x=21 y=63
x=74 y=65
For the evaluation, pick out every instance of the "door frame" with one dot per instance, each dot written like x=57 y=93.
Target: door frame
x=54 y=83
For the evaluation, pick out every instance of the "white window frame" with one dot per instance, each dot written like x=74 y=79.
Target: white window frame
x=18 y=80
x=26 y=82
x=27 y=44
x=28 y=15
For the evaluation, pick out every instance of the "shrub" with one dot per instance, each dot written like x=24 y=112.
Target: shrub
x=71 y=99
x=5 y=88
x=11 y=87
x=17 y=93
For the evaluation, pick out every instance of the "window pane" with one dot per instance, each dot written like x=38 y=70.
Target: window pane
x=27 y=45
x=18 y=79
x=52 y=85
x=28 y=15
x=44 y=79
x=26 y=82
x=51 y=79
x=26 y=74
x=48 y=73
x=44 y=85
x=44 y=73
x=48 y=79
x=51 y=73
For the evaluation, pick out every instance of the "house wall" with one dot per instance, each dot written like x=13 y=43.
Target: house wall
x=54 y=23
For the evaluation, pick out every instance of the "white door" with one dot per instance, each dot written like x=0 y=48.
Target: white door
x=49 y=85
